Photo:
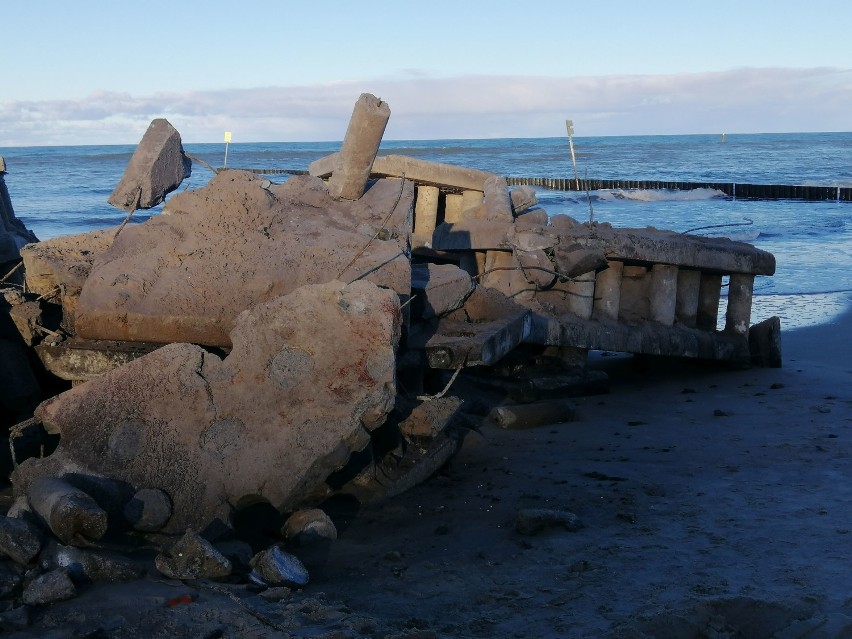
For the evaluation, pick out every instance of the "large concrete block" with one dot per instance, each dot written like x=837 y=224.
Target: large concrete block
x=185 y=275
x=309 y=376
x=440 y=288
x=156 y=168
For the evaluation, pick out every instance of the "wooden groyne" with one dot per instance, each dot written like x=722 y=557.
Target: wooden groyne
x=739 y=190
x=731 y=189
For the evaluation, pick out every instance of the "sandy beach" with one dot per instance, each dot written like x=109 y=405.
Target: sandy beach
x=714 y=503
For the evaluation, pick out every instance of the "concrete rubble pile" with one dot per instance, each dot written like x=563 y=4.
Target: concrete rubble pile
x=283 y=344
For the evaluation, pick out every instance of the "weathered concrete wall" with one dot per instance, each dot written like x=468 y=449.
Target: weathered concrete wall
x=310 y=375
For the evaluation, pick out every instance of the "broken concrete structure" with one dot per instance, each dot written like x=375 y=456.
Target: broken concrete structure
x=157 y=168
x=13 y=234
x=309 y=376
x=278 y=344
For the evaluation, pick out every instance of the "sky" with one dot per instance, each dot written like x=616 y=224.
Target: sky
x=97 y=72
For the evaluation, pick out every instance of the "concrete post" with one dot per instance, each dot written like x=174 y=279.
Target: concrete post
x=663 y=293
x=581 y=295
x=608 y=291
x=498 y=202
x=471 y=199
x=425 y=215
x=363 y=136
x=453 y=208
x=709 y=291
x=740 y=291
x=634 y=305
x=686 y=307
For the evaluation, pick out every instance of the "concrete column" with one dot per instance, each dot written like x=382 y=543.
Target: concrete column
x=709 y=291
x=471 y=199
x=634 y=304
x=363 y=136
x=498 y=202
x=740 y=291
x=453 y=207
x=581 y=295
x=686 y=307
x=425 y=215
x=663 y=294
x=608 y=291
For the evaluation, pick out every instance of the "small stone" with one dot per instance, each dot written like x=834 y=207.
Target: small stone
x=193 y=557
x=20 y=540
x=20 y=509
x=274 y=567
x=309 y=525
x=149 y=510
x=52 y=586
x=531 y=521
x=776 y=386
x=721 y=413
x=278 y=593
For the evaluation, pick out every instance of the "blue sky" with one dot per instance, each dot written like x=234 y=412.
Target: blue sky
x=88 y=72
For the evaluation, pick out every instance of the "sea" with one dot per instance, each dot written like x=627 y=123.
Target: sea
x=63 y=190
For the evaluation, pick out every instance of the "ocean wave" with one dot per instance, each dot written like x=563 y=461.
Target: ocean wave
x=661 y=195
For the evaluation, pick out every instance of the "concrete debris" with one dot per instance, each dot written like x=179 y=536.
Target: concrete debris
x=309 y=525
x=70 y=514
x=193 y=557
x=156 y=168
x=275 y=567
x=276 y=345
x=50 y=587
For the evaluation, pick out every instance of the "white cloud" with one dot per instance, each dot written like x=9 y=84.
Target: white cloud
x=740 y=100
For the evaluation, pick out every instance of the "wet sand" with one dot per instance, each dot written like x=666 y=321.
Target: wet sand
x=715 y=502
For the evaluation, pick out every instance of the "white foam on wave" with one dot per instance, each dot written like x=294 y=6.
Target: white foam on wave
x=661 y=195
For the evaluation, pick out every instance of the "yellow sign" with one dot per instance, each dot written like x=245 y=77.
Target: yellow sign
x=227 y=136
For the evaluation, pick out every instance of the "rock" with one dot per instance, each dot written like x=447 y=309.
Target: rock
x=50 y=587
x=239 y=553
x=13 y=234
x=157 y=167
x=84 y=565
x=69 y=512
x=531 y=521
x=440 y=288
x=193 y=557
x=309 y=376
x=240 y=244
x=523 y=198
x=11 y=577
x=274 y=567
x=20 y=540
x=27 y=317
x=764 y=342
x=277 y=593
x=520 y=416
x=149 y=510
x=536 y=267
x=430 y=418
x=573 y=261
x=309 y=525
x=20 y=509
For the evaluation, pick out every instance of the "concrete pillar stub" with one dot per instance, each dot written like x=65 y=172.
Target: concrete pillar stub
x=686 y=306
x=363 y=136
x=740 y=292
x=498 y=202
x=425 y=214
x=663 y=294
x=634 y=304
x=453 y=208
x=608 y=291
x=581 y=295
x=709 y=292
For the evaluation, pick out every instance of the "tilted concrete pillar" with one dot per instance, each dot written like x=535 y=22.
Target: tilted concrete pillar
x=453 y=207
x=686 y=307
x=709 y=291
x=498 y=202
x=663 y=294
x=740 y=292
x=425 y=215
x=581 y=295
x=608 y=291
x=363 y=136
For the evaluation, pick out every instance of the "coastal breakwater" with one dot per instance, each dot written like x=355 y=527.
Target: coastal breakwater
x=741 y=190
